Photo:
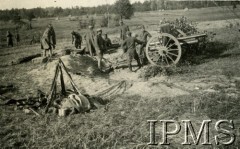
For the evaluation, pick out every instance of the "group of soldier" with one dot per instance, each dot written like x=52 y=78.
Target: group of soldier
x=10 y=38
x=97 y=45
x=134 y=45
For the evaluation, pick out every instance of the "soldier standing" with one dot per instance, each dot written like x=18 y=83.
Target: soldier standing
x=143 y=35
x=32 y=41
x=107 y=41
x=77 y=39
x=48 y=40
x=9 y=39
x=100 y=47
x=17 y=37
x=90 y=41
x=123 y=30
x=53 y=36
x=129 y=46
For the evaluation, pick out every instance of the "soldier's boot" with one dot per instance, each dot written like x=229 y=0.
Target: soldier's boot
x=90 y=52
x=51 y=53
x=130 y=66
x=44 y=53
x=99 y=65
x=139 y=63
x=142 y=61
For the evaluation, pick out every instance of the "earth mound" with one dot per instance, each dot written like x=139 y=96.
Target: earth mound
x=83 y=69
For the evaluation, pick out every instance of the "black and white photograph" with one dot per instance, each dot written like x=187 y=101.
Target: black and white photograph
x=120 y=74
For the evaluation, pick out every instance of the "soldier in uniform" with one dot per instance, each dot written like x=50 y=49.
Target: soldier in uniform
x=9 y=39
x=107 y=41
x=129 y=47
x=48 y=40
x=17 y=36
x=90 y=41
x=142 y=36
x=32 y=41
x=123 y=30
x=100 y=47
x=53 y=36
x=77 y=39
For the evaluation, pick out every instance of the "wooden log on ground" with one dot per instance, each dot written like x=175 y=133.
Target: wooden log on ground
x=35 y=112
x=25 y=59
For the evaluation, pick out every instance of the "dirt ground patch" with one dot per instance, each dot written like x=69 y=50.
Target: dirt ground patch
x=82 y=68
x=86 y=75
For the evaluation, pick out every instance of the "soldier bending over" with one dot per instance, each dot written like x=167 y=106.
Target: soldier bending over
x=77 y=39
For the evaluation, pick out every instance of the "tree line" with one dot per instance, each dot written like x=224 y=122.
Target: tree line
x=121 y=7
x=153 y=5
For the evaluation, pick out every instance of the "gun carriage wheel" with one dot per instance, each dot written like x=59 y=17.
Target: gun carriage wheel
x=163 y=50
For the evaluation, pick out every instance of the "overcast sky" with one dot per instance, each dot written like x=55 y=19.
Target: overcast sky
x=9 y=4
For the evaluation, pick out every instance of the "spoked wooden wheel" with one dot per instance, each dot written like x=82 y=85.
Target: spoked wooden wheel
x=163 y=50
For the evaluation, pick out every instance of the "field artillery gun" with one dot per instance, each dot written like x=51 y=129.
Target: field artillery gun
x=165 y=48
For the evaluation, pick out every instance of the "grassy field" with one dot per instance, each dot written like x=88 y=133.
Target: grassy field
x=123 y=122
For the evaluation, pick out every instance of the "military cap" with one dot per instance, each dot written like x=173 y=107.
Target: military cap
x=49 y=25
x=99 y=29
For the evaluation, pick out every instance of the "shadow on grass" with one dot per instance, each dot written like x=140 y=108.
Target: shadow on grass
x=87 y=63
x=7 y=88
x=212 y=50
x=124 y=66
